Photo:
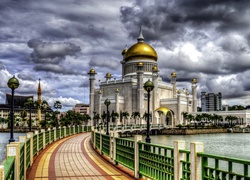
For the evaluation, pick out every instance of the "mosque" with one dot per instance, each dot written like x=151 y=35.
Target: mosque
x=139 y=64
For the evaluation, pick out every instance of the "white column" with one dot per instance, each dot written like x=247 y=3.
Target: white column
x=177 y=158
x=30 y=135
x=196 y=162
x=137 y=138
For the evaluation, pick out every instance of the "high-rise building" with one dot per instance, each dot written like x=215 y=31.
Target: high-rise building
x=211 y=101
x=81 y=108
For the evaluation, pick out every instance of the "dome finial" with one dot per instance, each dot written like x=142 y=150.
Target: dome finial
x=140 y=38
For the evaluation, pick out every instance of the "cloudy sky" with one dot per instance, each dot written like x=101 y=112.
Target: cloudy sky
x=59 y=41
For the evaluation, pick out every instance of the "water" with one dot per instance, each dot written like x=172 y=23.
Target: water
x=236 y=145
x=4 y=140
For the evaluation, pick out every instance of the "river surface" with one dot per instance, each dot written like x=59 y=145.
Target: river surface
x=235 y=145
x=4 y=140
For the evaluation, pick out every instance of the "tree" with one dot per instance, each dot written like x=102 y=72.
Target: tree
x=125 y=115
x=114 y=116
x=185 y=116
x=57 y=105
x=135 y=115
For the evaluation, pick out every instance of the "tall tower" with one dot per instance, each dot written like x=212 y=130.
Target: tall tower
x=194 y=86
x=92 y=74
x=155 y=99
x=173 y=81
x=140 y=89
x=39 y=101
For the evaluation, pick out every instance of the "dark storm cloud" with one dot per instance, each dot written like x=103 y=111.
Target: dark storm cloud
x=26 y=76
x=2 y=67
x=105 y=63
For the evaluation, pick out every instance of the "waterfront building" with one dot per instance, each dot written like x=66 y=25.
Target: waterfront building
x=19 y=101
x=81 y=108
x=139 y=64
x=211 y=101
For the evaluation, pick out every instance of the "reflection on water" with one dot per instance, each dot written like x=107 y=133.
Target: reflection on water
x=4 y=140
x=235 y=145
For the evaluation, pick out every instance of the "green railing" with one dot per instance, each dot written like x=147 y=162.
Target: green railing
x=47 y=137
x=105 y=144
x=27 y=153
x=156 y=161
x=62 y=133
x=40 y=143
x=125 y=152
x=185 y=164
x=9 y=168
x=98 y=142
x=35 y=144
x=67 y=131
x=218 y=167
x=40 y=140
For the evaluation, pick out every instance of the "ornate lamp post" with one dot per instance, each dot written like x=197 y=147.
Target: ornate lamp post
x=30 y=101
x=107 y=103
x=148 y=86
x=13 y=83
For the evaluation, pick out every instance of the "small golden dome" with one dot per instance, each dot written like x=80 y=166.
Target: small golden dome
x=108 y=75
x=92 y=71
x=100 y=92
x=173 y=74
x=117 y=90
x=178 y=91
x=155 y=69
x=141 y=49
x=140 y=64
x=187 y=93
x=193 y=81
x=124 y=51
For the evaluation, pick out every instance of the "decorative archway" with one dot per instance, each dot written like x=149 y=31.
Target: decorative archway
x=165 y=115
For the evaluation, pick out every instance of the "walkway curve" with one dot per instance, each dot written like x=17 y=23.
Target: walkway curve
x=73 y=158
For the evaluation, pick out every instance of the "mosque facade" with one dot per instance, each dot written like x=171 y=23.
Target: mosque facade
x=140 y=64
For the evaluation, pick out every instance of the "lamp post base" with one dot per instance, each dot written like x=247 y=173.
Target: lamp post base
x=148 y=140
x=11 y=140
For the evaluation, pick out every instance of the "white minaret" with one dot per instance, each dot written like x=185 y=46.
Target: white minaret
x=173 y=82
x=92 y=74
x=100 y=102
x=140 y=89
x=155 y=98
x=194 y=86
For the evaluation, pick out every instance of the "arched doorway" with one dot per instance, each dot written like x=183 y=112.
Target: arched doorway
x=165 y=115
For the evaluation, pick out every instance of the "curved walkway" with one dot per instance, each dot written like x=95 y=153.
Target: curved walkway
x=73 y=158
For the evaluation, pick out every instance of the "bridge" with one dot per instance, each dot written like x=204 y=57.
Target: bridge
x=82 y=152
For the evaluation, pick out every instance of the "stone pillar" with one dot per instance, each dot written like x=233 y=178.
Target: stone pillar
x=177 y=158
x=54 y=131
x=187 y=101
x=100 y=104
x=137 y=138
x=37 y=142
x=92 y=74
x=30 y=136
x=1 y=172
x=13 y=149
x=196 y=162
x=64 y=129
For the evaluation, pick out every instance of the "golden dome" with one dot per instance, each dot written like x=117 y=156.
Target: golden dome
x=155 y=68
x=140 y=64
x=92 y=71
x=173 y=74
x=141 y=49
x=193 y=81
x=108 y=75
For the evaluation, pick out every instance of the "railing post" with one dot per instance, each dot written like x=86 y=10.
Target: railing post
x=30 y=135
x=1 y=172
x=64 y=129
x=74 y=129
x=177 y=158
x=60 y=134
x=43 y=131
x=24 y=139
x=196 y=161
x=13 y=149
x=37 y=141
x=115 y=135
x=54 y=131
x=94 y=138
x=49 y=135
x=137 y=138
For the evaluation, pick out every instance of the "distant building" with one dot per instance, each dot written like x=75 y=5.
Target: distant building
x=211 y=102
x=81 y=108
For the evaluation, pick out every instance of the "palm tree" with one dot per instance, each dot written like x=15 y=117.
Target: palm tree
x=125 y=115
x=114 y=116
x=185 y=115
x=57 y=105
x=136 y=115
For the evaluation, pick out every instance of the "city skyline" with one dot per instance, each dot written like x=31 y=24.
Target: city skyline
x=59 y=42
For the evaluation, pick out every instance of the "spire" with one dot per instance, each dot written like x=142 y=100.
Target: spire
x=140 y=38
x=39 y=90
